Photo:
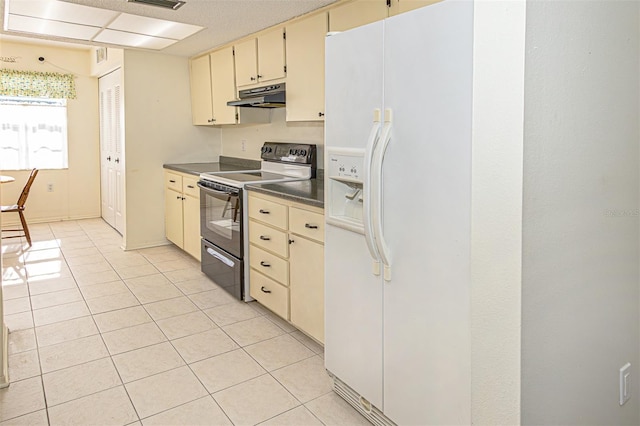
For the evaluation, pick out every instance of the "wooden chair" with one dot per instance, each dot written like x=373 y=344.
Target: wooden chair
x=19 y=208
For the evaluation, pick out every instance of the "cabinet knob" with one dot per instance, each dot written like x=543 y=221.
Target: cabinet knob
x=265 y=264
x=117 y=160
x=291 y=241
x=178 y=197
x=109 y=158
x=321 y=114
x=253 y=79
x=309 y=226
x=265 y=290
x=259 y=76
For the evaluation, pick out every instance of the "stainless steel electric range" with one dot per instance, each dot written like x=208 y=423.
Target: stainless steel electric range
x=224 y=220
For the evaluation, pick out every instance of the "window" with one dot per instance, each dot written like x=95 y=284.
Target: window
x=33 y=133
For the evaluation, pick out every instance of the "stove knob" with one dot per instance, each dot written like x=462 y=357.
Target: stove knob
x=303 y=152
x=292 y=152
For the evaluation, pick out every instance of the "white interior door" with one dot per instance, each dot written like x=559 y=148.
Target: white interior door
x=428 y=87
x=111 y=143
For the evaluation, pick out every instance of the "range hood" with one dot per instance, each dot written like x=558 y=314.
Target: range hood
x=272 y=96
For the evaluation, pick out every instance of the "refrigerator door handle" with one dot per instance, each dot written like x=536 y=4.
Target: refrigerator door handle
x=377 y=203
x=367 y=222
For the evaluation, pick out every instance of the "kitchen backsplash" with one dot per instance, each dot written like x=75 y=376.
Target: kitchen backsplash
x=278 y=130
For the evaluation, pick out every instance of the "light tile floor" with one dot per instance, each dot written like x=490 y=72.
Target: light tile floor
x=103 y=336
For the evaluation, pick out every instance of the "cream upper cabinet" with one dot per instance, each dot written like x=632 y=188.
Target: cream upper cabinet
x=305 y=68
x=201 y=96
x=271 y=56
x=212 y=86
x=357 y=13
x=261 y=59
x=223 y=86
x=247 y=62
x=401 y=6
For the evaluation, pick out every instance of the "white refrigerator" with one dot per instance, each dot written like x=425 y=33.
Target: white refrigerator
x=397 y=207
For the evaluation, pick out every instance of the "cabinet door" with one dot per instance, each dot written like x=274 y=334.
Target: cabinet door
x=357 y=13
x=191 y=218
x=173 y=217
x=271 y=58
x=401 y=6
x=306 y=286
x=223 y=86
x=201 y=106
x=305 y=69
x=246 y=62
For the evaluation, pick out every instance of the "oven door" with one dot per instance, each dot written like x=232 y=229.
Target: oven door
x=221 y=216
x=224 y=269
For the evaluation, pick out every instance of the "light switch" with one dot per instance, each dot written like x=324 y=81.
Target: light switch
x=625 y=383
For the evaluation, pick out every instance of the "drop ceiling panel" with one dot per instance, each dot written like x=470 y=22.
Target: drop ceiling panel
x=54 y=28
x=61 y=11
x=154 y=27
x=222 y=21
x=134 y=40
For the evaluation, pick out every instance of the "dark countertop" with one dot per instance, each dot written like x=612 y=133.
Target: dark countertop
x=309 y=192
x=226 y=164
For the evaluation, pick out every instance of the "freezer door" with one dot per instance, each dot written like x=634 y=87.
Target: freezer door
x=353 y=294
x=428 y=87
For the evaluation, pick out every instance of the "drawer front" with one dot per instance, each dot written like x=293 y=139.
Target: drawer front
x=270 y=294
x=268 y=238
x=269 y=212
x=269 y=264
x=306 y=223
x=173 y=181
x=190 y=186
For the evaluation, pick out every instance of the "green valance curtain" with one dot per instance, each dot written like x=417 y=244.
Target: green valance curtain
x=36 y=84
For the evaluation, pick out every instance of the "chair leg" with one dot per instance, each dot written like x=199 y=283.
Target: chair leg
x=25 y=228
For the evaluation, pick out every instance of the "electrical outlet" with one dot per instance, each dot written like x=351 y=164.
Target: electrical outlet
x=625 y=383
x=49 y=187
x=243 y=145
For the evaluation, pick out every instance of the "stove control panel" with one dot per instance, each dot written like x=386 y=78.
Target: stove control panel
x=289 y=153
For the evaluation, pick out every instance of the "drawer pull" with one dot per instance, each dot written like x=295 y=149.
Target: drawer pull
x=190 y=186
x=265 y=291
x=172 y=181
x=264 y=211
x=308 y=226
x=263 y=238
x=265 y=264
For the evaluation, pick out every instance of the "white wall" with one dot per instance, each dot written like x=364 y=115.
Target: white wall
x=158 y=130
x=580 y=282
x=496 y=215
x=76 y=191
x=278 y=130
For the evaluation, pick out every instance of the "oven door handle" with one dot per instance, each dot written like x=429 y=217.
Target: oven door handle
x=215 y=191
x=220 y=257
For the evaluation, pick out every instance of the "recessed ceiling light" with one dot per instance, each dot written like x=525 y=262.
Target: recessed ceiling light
x=167 y=4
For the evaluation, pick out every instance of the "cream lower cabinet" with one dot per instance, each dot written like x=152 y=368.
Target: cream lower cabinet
x=182 y=211
x=286 y=258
